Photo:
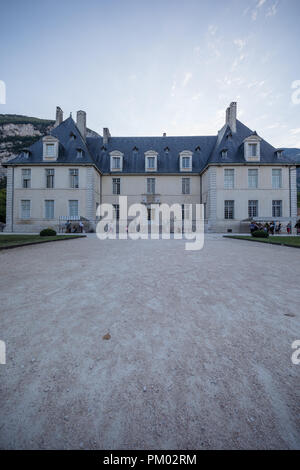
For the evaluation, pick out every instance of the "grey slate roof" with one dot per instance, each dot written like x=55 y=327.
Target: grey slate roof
x=206 y=150
x=167 y=160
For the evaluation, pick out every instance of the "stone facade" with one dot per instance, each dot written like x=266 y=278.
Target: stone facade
x=205 y=163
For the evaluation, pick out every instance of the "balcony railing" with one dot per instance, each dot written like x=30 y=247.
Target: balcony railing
x=150 y=198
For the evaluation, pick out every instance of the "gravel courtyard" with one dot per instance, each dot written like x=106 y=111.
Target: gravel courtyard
x=199 y=355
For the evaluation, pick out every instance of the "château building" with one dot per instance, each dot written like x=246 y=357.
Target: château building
x=236 y=174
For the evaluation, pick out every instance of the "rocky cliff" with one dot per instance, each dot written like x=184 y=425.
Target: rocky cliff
x=18 y=132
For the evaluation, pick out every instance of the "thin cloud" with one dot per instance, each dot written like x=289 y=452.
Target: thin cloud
x=254 y=13
x=187 y=78
x=272 y=9
x=240 y=43
x=295 y=131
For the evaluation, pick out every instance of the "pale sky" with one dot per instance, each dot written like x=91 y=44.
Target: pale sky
x=147 y=67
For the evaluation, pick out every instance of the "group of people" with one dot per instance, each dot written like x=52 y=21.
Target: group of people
x=75 y=228
x=270 y=227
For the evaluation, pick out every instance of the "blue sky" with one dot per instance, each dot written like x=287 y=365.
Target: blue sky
x=147 y=67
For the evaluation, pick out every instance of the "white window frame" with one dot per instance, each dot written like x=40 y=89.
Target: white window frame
x=151 y=183
x=116 y=184
x=49 y=140
x=45 y=210
x=275 y=186
x=226 y=181
x=21 y=210
x=186 y=154
x=116 y=211
x=249 y=185
x=233 y=208
x=24 y=178
x=53 y=178
x=276 y=206
x=248 y=142
x=119 y=155
x=69 y=207
x=72 y=178
x=186 y=185
x=151 y=154
x=251 y=206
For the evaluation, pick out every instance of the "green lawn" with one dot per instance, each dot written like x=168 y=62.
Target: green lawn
x=9 y=241
x=277 y=240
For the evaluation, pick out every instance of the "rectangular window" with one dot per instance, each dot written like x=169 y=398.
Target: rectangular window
x=25 y=209
x=26 y=178
x=151 y=185
x=252 y=209
x=228 y=179
x=116 y=211
x=49 y=178
x=185 y=185
x=116 y=163
x=151 y=163
x=73 y=208
x=276 y=208
x=186 y=162
x=185 y=211
x=116 y=185
x=276 y=178
x=50 y=150
x=228 y=209
x=74 y=178
x=49 y=209
x=253 y=178
x=253 y=150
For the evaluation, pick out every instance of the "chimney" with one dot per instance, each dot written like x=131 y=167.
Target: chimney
x=227 y=115
x=232 y=116
x=81 y=123
x=164 y=134
x=106 y=135
x=59 y=116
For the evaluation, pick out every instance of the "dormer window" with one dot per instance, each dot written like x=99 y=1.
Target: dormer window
x=278 y=153
x=252 y=148
x=198 y=149
x=116 y=161
x=224 y=154
x=185 y=160
x=166 y=149
x=72 y=136
x=135 y=149
x=80 y=153
x=50 y=148
x=150 y=160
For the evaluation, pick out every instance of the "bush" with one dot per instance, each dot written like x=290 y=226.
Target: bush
x=47 y=232
x=260 y=234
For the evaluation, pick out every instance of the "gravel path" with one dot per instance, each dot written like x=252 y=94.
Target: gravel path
x=199 y=354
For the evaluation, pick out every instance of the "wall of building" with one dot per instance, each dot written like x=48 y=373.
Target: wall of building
x=88 y=196
x=94 y=189
x=241 y=194
x=168 y=188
